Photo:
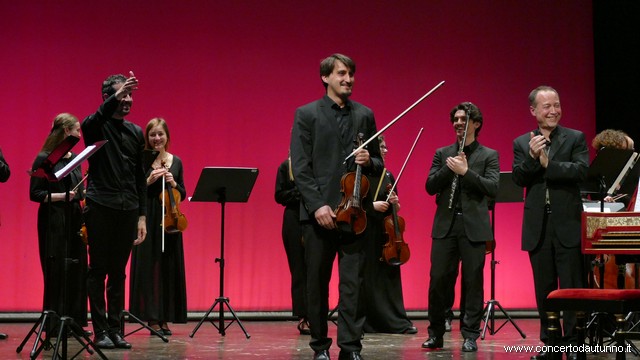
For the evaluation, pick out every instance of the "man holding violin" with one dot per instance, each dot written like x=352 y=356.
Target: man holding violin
x=463 y=176
x=321 y=139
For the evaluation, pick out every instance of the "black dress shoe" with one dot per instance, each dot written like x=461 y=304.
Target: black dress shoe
x=411 y=330
x=469 y=345
x=433 y=343
x=542 y=355
x=322 y=355
x=165 y=329
x=350 y=356
x=119 y=341
x=103 y=341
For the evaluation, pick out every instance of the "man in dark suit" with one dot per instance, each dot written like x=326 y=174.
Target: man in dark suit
x=322 y=137
x=462 y=181
x=550 y=162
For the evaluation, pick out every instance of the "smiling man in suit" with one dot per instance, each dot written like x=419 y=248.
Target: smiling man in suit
x=550 y=163
x=322 y=137
x=463 y=176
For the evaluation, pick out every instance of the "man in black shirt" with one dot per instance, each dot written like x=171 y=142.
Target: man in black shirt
x=322 y=137
x=463 y=176
x=116 y=203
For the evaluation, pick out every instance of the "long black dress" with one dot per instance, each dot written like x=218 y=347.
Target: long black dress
x=51 y=244
x=158 y=290
x=287 y=194
x=384 y=303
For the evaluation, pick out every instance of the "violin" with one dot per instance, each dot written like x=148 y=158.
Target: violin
x=174 y=221
x=350 y=215
x=396 y=250
x=82 y=233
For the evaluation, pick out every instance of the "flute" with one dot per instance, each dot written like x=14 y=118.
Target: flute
x=456 y=177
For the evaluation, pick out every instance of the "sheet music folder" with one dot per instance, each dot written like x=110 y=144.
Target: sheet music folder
x=84 y=155
x=235 y=183
x=45 y=168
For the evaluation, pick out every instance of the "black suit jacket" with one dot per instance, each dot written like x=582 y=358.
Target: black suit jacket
x=318 y=153
x=478 y=185
x=568 y=165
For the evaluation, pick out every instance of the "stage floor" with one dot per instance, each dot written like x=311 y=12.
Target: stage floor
x=280 y=340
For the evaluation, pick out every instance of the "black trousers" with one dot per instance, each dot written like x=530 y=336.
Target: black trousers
x=555 y=266
x=321 y=247
x=111 y=234
x=294 y=248
x=446 y=254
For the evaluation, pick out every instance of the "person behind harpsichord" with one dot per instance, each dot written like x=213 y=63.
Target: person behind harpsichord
x=614 y=139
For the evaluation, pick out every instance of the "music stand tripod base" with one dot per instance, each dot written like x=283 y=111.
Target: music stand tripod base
x=222 y=185
x=125 y=314
x=508 y=192
x=221 y=326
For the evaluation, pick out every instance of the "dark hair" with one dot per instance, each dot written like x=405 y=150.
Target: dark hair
x=153 y=123
x=107 y=84
x=327 y=65
x=534 y=93
x=60 y=123
x=474 y=114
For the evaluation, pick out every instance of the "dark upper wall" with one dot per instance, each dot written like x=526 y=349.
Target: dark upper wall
x=617 y=65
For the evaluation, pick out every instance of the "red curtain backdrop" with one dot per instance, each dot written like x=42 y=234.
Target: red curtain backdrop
x=227 y=77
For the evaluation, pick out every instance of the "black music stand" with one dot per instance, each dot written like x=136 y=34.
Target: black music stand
x=67 y=325
x=223 y=185
x=508 y=191
x=605 y=170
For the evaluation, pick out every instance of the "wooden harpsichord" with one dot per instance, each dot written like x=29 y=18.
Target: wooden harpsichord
x=611 y=233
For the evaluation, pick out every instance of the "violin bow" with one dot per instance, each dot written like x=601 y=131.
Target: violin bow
x=164 y=208
x=384 y=171
x=393 y=121
x=405 y=163
x=80 y=182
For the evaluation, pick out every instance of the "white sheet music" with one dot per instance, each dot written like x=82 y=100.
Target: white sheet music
x=636 y=206
x=623 y=173
x=78 y=159
x=608 y=207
